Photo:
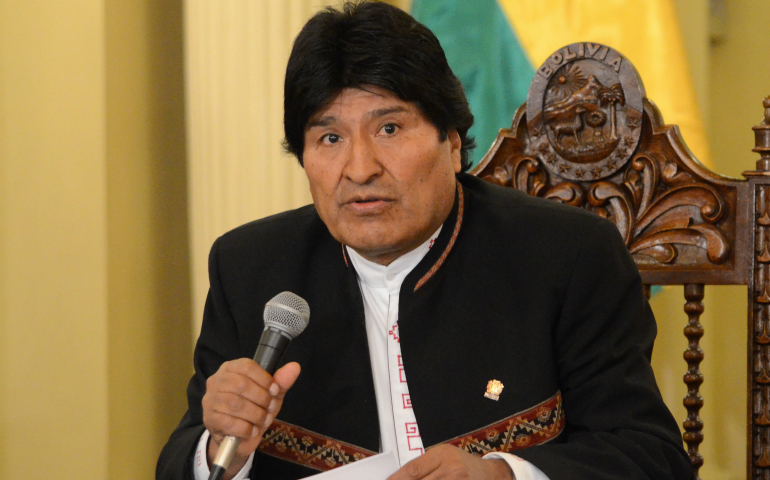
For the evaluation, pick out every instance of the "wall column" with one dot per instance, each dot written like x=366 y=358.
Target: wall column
x=94 y=292
x=235 y=60
x=53 y=240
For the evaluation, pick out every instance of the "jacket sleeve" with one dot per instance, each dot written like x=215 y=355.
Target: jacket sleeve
x=617 y=426
x=218 y=342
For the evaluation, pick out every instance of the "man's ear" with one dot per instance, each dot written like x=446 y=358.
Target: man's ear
x=456 y=150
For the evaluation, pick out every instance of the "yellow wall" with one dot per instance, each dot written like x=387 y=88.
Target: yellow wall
x=236 y=54
x=148 y=263
x=53 y=255
x=94 y=296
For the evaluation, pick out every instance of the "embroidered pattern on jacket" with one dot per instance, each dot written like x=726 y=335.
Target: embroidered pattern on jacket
x=535 y=426
x=297 y=445
x=455 y=232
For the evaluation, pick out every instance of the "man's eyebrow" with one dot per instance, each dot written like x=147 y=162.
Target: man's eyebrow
x=331 y=119
x=386 y=111
x=321 y=122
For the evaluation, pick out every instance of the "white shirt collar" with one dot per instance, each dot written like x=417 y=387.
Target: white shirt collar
x=390 y=277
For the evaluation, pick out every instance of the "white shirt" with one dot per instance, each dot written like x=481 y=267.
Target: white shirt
x=380 y=288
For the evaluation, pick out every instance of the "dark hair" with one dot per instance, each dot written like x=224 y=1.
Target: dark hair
x=371 y=43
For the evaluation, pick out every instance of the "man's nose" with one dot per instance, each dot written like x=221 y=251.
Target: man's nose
x=363 y=163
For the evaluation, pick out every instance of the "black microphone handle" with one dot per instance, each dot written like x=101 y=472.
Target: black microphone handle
x=272 y=345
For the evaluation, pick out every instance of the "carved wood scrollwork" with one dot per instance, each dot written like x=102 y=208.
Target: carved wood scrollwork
x=656 y=205
x=588 y=137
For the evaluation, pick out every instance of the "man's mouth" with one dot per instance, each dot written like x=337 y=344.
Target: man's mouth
x=365 y=200
x=367 y=204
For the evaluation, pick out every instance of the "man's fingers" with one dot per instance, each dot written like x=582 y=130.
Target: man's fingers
x=223 y=424
x=235 y=404
x=250 y=444
x=251 y=369
x=285 y=377
x=437 y=474
x=240 y=386
x=276 y=385
x=448 y=462
x=240 y=408
x=242 y=400
x=418 y=468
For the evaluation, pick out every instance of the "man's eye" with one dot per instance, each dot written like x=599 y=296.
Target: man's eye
x=330 y=138
x=389 y=128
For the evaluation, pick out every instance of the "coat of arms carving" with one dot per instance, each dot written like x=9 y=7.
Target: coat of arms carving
x=588 y=111
x=588 y=136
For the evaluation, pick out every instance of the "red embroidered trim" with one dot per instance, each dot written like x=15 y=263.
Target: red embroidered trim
x=297 y=445
x=458 y=223
x=535 y=426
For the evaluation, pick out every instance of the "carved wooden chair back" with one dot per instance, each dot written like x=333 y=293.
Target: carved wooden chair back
x=589 y=137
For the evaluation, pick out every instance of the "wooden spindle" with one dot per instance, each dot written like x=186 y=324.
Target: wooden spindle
x=693 y=401
x=759 y=307
x=762 y=138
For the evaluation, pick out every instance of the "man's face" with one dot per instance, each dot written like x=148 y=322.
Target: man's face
x=380 y=178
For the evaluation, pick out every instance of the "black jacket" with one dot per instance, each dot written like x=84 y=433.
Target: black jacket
x=541 y=296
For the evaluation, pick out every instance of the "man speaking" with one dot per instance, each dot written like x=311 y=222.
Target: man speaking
x=450 y=318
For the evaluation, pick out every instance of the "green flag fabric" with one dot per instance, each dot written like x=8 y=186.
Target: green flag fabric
x=484 y=53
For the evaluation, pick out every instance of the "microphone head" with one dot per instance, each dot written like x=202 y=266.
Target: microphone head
x=287 y=312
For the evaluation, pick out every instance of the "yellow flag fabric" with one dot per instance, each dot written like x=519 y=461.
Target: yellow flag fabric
x=644 y=31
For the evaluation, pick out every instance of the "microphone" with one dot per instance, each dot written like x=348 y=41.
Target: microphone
x=286 y=316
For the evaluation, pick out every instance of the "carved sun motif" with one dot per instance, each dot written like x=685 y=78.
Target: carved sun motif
x=567 y=81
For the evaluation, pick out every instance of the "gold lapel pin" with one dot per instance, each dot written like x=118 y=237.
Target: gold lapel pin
x=494 y=389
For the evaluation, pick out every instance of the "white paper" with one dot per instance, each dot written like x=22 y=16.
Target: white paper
x=378 y=467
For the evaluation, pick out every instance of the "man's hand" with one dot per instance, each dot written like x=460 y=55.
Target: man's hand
x=242 y=400
x=448 y=462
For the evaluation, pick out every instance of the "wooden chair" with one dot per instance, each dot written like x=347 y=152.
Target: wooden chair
x=588 y=136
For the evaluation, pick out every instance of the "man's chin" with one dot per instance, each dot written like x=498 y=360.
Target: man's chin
x=371 y=249
x=381 y=252
x=368 y=246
